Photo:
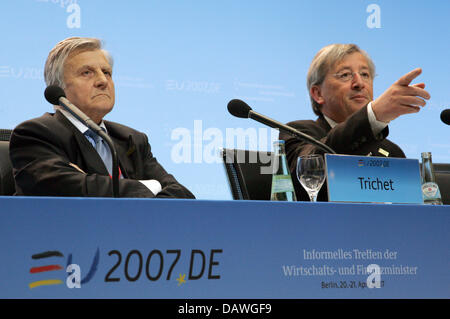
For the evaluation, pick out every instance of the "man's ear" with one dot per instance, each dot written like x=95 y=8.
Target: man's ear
x=316 y=93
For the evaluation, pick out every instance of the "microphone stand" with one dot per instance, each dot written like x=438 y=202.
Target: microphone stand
x=289 y=130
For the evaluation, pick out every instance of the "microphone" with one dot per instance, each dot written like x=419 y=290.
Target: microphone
x=56 y=96
x=241 y=109
x=445 y=116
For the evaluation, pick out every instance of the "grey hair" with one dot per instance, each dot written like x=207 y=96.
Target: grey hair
x=324 y=61
x=54 y=66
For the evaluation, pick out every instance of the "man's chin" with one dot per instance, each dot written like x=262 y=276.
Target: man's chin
x=360 y=101
x=101 y=110
x=107 y=109
x=357 y=104
x=102 y=105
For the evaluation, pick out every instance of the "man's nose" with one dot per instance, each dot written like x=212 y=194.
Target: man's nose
x=101 y=80
x=357 y=81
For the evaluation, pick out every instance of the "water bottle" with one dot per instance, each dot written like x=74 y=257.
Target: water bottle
x=282 y=186
x=430 y=189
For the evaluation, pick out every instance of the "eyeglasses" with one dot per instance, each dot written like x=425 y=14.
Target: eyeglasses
x=346 y=76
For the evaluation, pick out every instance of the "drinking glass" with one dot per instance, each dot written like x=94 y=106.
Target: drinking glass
x=311 y=174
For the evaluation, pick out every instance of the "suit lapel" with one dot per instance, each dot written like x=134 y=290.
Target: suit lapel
x=126 y=150
x=124 y=163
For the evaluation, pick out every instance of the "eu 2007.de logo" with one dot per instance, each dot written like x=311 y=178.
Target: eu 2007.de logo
x=48 y=268
x=156 y=265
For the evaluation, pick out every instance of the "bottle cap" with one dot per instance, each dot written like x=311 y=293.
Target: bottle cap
x=426 y=154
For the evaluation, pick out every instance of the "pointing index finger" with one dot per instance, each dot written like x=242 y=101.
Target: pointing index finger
x=408 y=77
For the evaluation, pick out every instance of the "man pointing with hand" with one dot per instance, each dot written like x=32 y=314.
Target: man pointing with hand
x=401 y=98
x=350 y=121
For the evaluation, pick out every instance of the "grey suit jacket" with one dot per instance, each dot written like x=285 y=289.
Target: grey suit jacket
x=42 y=149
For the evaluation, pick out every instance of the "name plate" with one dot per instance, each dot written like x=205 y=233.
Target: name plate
x=373 y=179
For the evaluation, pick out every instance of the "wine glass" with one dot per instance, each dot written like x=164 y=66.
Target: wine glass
x=311 y=174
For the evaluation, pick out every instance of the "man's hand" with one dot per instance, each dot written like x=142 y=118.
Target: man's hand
x=401 y=98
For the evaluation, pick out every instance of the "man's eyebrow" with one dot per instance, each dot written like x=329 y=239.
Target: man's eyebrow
x=88 y=66
x=85 y=66
x=346 y=67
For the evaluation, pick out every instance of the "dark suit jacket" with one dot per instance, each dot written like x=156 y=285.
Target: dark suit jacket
x=352 y=137
x=42 y=149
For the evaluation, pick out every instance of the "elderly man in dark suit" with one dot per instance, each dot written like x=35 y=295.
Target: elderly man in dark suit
x=56 y=155
x=350 y=121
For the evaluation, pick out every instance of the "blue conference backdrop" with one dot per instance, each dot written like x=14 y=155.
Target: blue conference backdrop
x=178 y=63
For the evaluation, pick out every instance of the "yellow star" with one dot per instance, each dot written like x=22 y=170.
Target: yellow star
x=180 y=279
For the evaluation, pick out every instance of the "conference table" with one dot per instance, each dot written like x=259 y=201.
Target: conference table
x=207 y=249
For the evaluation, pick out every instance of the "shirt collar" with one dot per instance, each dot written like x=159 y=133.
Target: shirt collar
x=330 y=121
x=79 y=125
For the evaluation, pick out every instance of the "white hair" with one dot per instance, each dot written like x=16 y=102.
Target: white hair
x=54 y=66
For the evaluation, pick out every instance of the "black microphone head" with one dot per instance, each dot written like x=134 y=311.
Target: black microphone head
x=53 y=93
x=239 y=108
x=445 y=116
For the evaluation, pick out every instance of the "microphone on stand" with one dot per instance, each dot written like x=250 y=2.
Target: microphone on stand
x=56 y=96
x=241 y=109
x=445 y=116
